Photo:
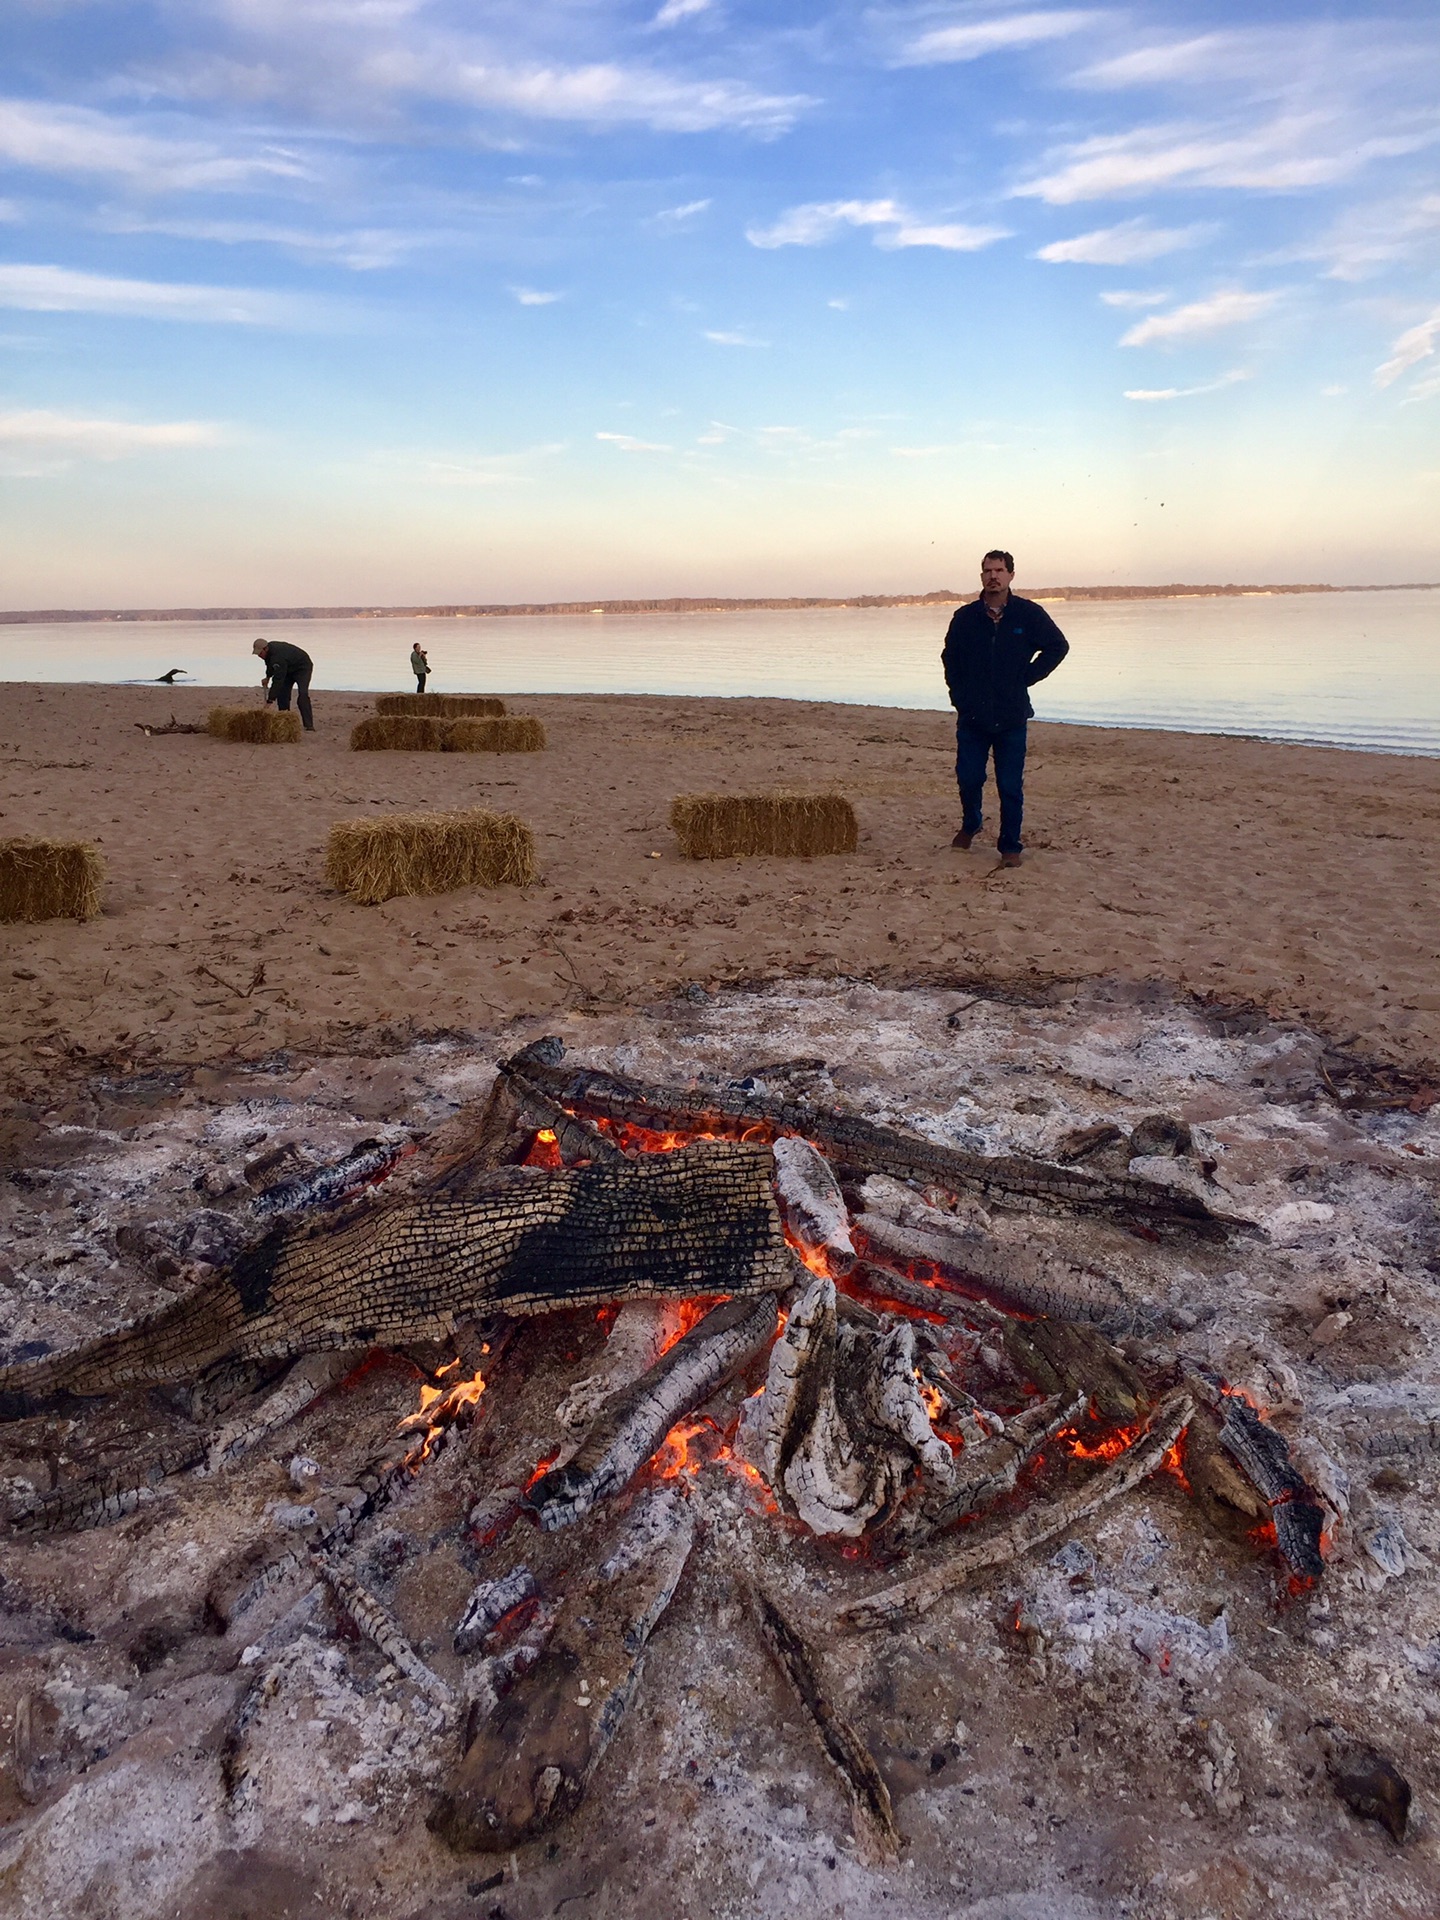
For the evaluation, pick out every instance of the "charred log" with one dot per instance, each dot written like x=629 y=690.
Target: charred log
x=843 y=1746
x=635 y=1421
x=987 y=1469
x=531 y=1758
x=868 y=1148
x=698 y=1222
x=380 y=1626
x=1297 y=1512
x=909 y=1599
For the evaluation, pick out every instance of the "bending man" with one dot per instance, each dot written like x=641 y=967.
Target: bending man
x=287 y=668
x=996 y=648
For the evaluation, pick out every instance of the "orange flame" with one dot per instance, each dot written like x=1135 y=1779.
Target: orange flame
x=440 y=1408
x=544 y=1150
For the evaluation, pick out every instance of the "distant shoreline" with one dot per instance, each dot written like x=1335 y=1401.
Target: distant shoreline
x=56 y=616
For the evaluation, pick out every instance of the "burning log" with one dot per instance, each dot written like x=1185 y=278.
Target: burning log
x=1005 y=1179
x=632 y=1424
x=1064 y=1358
x=841 y=1427
x=643 y=1331
x=531 y=1758
x=843 y=1746
x=1296 y=1510
x=811 y=1203
x=488 y=1606
x=909 y=1599
x=987 y=1469
x=380 y=1626
x=971 y=1263
x=699 y=1222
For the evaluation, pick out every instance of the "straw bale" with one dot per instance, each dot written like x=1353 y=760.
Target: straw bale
x=373 y=860
x=441 y=706
x=515 y=733
x=398 y=732
x=724 y=826
x=49 y=880
x=258 y=725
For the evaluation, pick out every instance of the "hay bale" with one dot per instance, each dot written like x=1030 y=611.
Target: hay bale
x=515 y=733
x=261 y=726
x=372 y=860
x=726 y=826
x=49 y=880
x=441 y=706
x=398 y=732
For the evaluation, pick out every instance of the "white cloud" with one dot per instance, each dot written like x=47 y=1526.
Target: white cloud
x=672 y=217
x=43 y=289
x=605 y=94
x=1188 y=393
x=363 y=249
x=1133 y=297
x=971 y=40
x=41 y=431
x=1414 y=345
x=77 y=140
x=1124 y=245
x=722 y=339
x=674 y=11
x=1204 y=56
x=1230 y=308
x=895 y=226
x=1369 y=238
x=1289 y=152
x=627 y=443
x=533 y=296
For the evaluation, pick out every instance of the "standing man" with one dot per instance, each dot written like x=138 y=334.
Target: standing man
x=419 y=666
x=996 y=649
x=287 y=667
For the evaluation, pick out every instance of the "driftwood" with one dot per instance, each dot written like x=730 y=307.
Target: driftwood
x=733 y=1113
x=531 y=1755
x=701 y=1221
x=909 y=1599
x=172 y=725
x=843 y=1746
x=633 y=1423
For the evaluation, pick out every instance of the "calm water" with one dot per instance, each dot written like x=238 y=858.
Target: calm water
x=1355 y=669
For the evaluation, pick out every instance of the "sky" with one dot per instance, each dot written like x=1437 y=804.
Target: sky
x=419 y=301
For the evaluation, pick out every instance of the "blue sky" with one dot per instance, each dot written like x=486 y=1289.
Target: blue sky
x=347 y=301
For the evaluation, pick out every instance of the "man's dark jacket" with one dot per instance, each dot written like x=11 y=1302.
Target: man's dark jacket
x=286 y=662
x=990 y=665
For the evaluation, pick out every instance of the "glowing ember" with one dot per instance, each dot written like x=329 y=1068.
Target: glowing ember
x=545 y=1150
x=674 y=1455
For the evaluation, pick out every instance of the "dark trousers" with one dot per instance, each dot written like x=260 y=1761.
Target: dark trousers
x=420 y=680
x=973 y=748
x=300 y=681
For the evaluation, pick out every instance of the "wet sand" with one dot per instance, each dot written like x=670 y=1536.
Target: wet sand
x=1301 y=878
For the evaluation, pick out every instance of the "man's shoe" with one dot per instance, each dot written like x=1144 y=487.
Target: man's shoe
x=963 y=839
x=1011 y=859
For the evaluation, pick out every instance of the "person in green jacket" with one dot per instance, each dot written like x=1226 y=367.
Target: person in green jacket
x=419 y=666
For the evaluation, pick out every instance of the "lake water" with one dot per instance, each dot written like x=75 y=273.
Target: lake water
x=1352 y=669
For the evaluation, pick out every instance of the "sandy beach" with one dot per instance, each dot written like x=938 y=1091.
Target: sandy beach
x=1295 y=877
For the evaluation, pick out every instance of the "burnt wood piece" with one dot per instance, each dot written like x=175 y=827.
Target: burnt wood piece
x=699 y=1221
x=972 y=1263
x=101 y=1498
x=577 y=1140
x=532 y=1754
x=861 y=1144
x=381 y=1627
x=909 y=1599
x=845 y=1749
x=841 y=1430
x=1259 y=1450
x=633 y=1422
x=811 y=1203
x=302 y=1386
x=327 y=1186
x=488 y=1606
x=987 y=1469
x=1060 y=1356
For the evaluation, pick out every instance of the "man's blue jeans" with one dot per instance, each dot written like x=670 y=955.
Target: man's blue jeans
x=973 y=748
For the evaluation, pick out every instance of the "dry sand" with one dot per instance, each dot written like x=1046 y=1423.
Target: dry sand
x=1303 y=878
